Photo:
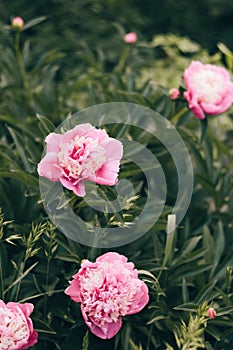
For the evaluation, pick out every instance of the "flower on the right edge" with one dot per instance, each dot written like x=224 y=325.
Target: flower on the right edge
x=209 y=89
x=107 y=289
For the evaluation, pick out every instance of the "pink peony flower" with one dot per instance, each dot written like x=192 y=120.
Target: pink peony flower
x=83 y=153
x=16 y=328
x=211 y=312
x=130 y=38
x=174 y=93
x=209 y=89
x=107 y=290
x=17 y=23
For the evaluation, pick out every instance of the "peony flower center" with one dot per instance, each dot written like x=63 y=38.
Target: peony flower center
x=209 y=85
x=81 y=157
x=13 y=329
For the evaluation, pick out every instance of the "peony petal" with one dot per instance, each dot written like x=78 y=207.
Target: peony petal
x=105 y=331
x=141 y=299
x=53 y=142
x=113 y=149
x=97 y=134
x=78 y=189
x=31 y=341
x=78 y=130
x=27 y=308
x=197 y=111
x=194 y=105
x=74 y=290
x=108 y=173
x=112 y=257
x=222 y=105
x=49 y=167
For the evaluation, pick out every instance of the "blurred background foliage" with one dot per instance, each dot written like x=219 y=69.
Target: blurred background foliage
x=73 y=56
x=206 y=22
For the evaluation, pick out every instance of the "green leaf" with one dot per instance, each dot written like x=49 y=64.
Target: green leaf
x=190 y=307
x=228 y=55
x=19 y=144
x=85 y=343
x=68 y=257
x=20 y=277
x=204 y=293
x=185 y=291
x=45 y=124
x=156 y=318
x=28 y=179
x=219 y=242
x=204 y=125
x=224 y=311
x=209 y=245
x=43 y=327
x=34 y=22
x=170 y=241
x=3 y=269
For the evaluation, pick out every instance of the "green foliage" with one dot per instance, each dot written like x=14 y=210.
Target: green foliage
x=47 y=72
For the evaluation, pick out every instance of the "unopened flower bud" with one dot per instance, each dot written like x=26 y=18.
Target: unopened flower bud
x=130 y=38
x=174 y=93
x=17 y=23
x=211 y=312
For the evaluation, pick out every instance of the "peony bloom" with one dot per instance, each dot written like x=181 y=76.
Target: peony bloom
x=16 y=328
x=174 y=93
x=17 y=23
x=211 y=312
x=130 y=38
x=209 y=89
x=83 y=153
x=107 y=290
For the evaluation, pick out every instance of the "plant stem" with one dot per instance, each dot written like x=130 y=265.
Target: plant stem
x=122 y=60
x=46 y=284
x=21 y=65
x=179 y=114
x=21 y=270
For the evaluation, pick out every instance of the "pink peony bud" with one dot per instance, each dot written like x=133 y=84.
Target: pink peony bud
x=130 y=38
x=211 y=312
x=17 y=23
x=174 y=93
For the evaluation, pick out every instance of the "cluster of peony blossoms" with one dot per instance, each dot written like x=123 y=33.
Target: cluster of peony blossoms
x=209 y=89
x=16 y=328
x=82 y=153
x=108 y=289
